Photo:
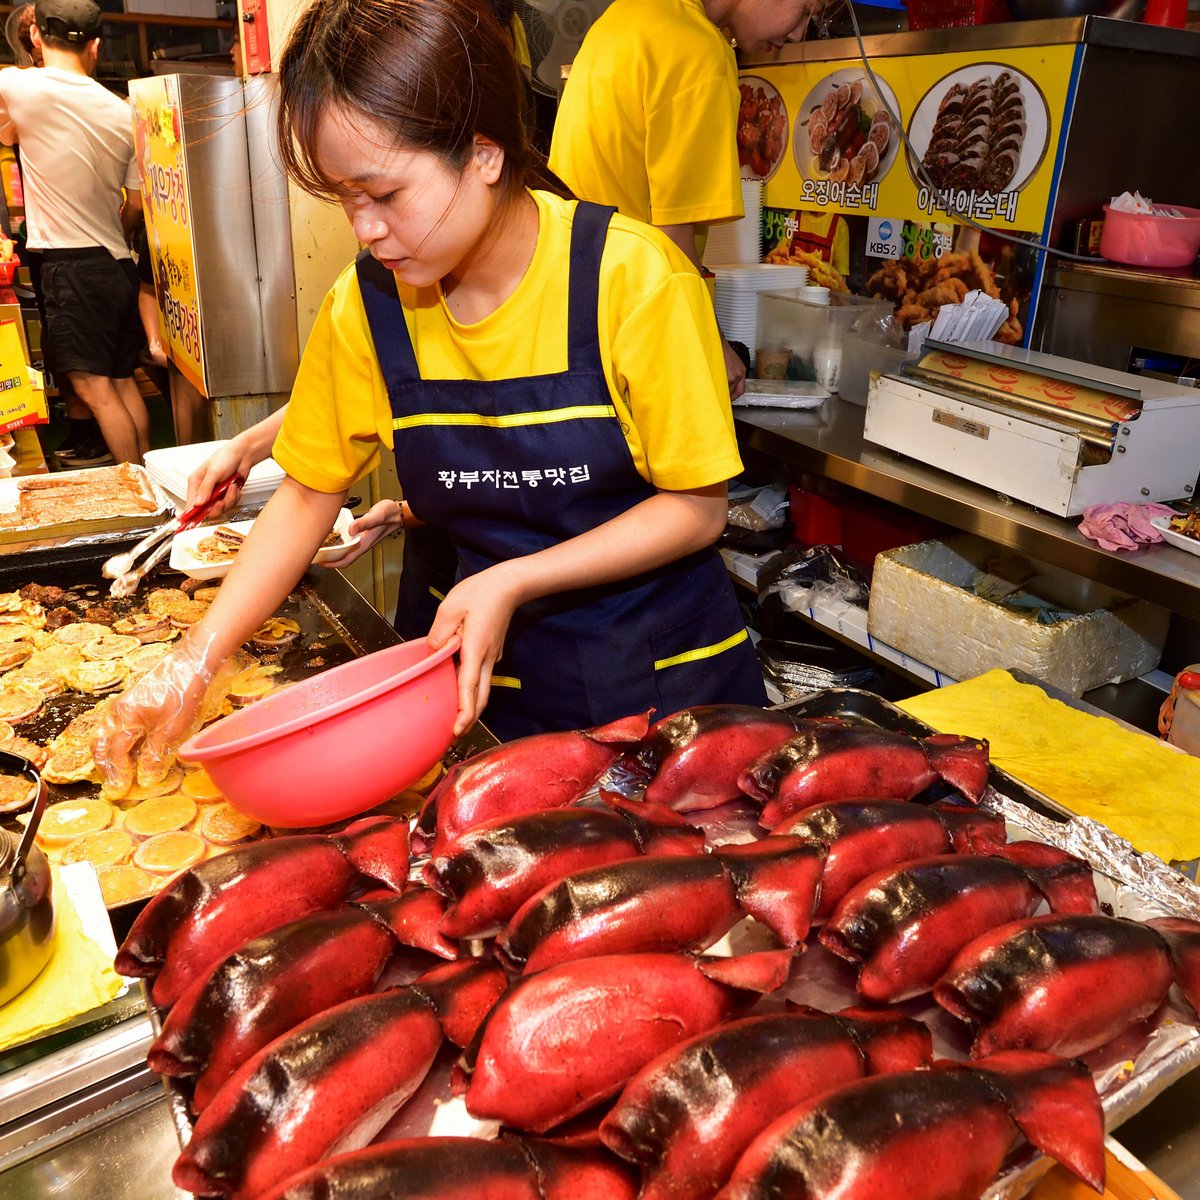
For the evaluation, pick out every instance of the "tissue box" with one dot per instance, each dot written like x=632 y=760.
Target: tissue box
x=921 y=604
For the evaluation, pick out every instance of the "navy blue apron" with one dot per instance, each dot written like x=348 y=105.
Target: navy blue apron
x=509 y=467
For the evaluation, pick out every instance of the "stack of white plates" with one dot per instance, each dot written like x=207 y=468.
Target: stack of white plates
x=169 y=469
x=739 y=241
x=738 y=287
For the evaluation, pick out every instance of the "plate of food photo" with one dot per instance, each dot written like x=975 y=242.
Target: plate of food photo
x=982 y=128
x=762 y=127
x=844 y=132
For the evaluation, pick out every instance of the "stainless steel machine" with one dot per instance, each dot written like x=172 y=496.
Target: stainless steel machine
x=1053 y=432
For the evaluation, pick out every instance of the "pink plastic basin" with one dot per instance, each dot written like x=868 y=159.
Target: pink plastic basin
x=338 y=743
x=1144 y=240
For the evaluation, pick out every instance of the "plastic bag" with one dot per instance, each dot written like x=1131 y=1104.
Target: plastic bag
x=805 y=576
x=765 y=508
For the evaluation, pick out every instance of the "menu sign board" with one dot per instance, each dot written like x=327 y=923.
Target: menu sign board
x=158 y=141
x=983 y=133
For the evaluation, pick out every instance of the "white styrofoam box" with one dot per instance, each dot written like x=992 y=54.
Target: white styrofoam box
x=838 y=616
x=922 y=604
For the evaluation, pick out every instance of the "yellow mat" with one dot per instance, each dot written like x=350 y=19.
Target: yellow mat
x=1131 y=782
x=78 y=978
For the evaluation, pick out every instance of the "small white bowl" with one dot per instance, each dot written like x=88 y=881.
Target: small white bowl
x=183 y=556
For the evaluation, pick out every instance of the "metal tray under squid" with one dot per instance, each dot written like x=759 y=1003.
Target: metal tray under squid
x=1129 y=1075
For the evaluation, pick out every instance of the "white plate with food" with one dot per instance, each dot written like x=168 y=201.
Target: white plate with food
x=208 y=551
x=982 y=128
x=1183 y=540
x=762 y=128
x=843 y=130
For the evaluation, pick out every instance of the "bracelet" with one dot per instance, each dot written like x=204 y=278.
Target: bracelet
x=400 y=511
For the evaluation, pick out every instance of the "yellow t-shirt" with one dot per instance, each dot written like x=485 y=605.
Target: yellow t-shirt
x=659 y=346
x=648 y=116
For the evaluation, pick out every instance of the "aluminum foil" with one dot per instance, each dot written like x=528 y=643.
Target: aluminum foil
x=1129 y=1072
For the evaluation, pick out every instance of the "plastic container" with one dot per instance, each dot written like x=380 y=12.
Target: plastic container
x=8 y=271
x=338 y=743
x=859 y=358
x=1144 y=240
x=784 y=319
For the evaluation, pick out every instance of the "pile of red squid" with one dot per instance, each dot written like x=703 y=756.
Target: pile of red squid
x=562 y=949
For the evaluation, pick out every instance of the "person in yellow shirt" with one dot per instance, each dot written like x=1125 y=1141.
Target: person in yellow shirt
x=824 y=234
x=547 y=374
x=648 y=117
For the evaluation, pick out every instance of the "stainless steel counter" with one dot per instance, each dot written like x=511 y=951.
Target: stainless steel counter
x=829 y=442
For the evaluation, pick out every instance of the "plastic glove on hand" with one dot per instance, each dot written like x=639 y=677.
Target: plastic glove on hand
x=145 y=726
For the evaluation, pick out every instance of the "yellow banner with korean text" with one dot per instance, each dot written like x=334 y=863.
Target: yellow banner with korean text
x=21 y=403
x=983 y=132
x=158 y=137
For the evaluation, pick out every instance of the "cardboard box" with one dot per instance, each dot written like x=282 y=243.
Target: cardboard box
x=923 y=604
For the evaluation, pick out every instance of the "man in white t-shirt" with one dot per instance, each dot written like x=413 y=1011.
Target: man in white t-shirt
x=76 y=141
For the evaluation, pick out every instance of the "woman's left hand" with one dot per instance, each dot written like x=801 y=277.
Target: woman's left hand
x=479 y=609
x=378 y=522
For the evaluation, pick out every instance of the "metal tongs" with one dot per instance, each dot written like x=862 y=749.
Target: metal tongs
x=121 y=569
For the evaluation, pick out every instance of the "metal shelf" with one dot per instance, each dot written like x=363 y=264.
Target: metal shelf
x=829 y=442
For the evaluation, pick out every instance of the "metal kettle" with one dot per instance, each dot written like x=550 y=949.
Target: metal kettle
x=27 y=915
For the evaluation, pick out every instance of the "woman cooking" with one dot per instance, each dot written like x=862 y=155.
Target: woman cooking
x=549 y=376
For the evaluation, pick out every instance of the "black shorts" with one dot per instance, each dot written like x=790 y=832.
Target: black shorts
x=92 y=321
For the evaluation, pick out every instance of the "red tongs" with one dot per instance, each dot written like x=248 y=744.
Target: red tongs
x=121 y=569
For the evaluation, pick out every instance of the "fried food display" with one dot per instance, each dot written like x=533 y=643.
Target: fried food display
x=820 y=273
x=919 y=287
x=761 y=127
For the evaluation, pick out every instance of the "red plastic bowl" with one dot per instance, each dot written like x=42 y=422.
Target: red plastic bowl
x=338 y=743
x=1144 y=240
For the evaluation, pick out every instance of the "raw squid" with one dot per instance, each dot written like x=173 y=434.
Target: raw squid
x=211 y=909
x=685 y=903
x=904 y=924
x=944 y=1132
x=686 y=1118
x=544 y=770
x=827 y=761
x=1068 y=984
x=282 y=977
x=571 y=1035
x=459 y=1168
x=332 y=1083
x=495 y=867
x=695 y=757
x=864 y=836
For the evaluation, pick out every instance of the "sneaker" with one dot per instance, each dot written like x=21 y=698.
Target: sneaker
x=92 y=455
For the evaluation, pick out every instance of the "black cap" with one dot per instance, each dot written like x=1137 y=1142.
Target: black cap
x=76 y=21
